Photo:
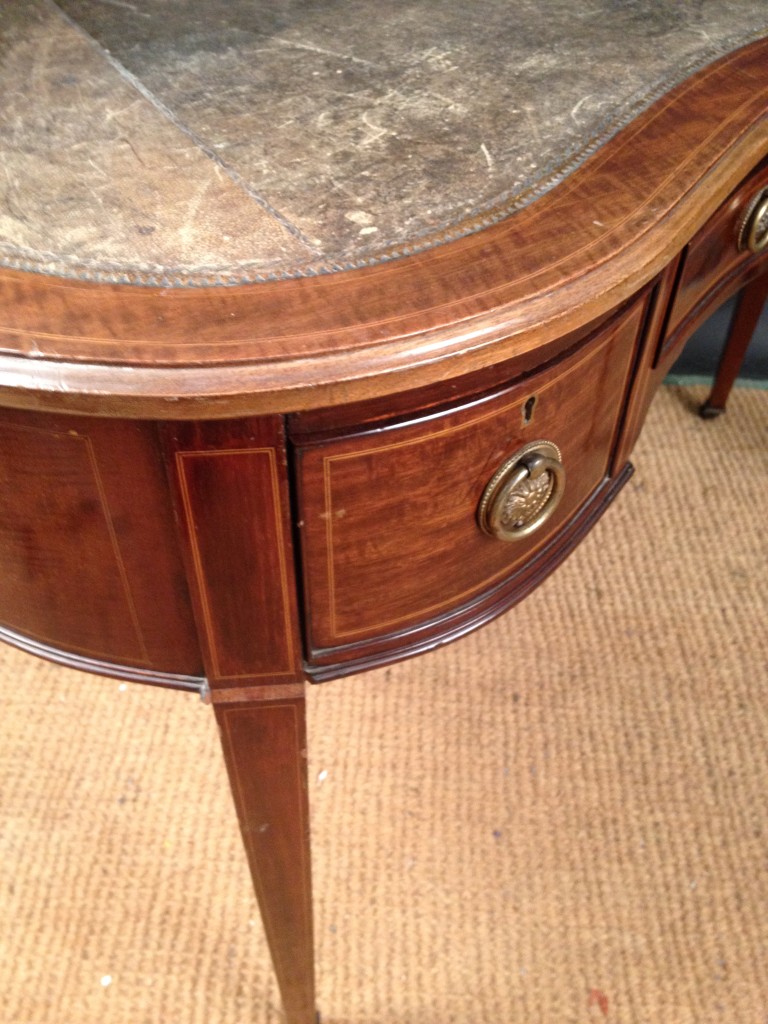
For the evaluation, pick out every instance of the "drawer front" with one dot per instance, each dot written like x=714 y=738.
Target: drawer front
x=719 y=260
x=389 y=519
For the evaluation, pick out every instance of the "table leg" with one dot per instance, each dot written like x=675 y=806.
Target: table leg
x=264 y=742
x=230 y=485
x=745 y=317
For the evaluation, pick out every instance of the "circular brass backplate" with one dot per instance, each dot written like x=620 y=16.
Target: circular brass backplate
x=753 y=232
x=523 y=492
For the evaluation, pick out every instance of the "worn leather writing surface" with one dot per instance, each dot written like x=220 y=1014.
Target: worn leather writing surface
x=197 y=141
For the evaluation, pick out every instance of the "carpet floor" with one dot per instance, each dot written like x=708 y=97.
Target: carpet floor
x=561 y=819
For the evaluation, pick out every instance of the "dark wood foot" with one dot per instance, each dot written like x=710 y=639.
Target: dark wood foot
x=709 y=412
x=745 y=317
x=264 y=744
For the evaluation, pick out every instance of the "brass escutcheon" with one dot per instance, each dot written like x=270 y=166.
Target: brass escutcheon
x=753 y=233
x=523 y=492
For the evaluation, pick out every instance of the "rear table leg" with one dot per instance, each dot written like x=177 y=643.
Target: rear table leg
x=745 y=318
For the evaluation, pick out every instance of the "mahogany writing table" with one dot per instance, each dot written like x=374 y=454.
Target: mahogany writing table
x=326 y=332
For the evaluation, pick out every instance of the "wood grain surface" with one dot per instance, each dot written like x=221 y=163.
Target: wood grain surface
x=388 y=518
x=231 y=489
x=265 y=751
x=88 y=545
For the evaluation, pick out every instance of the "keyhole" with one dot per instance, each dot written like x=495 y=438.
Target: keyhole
x=528 y=409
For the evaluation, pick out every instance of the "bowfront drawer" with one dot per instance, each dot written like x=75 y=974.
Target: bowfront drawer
x=730 y=249
x=417 y=531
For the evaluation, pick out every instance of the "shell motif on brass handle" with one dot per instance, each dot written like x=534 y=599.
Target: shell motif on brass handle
x=523 y=493
x=753 y=232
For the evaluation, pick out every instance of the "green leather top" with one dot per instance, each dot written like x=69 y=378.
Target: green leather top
x=184 y=142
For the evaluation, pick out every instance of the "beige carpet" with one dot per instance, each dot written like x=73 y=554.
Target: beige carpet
x=562 y=819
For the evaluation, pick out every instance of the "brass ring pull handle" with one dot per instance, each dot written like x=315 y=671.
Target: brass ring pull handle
x=753 y=233
x=523 y=493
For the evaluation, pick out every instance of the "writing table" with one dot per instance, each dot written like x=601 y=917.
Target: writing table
x=326 y=332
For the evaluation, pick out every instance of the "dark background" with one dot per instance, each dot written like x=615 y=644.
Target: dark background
x=702 y=353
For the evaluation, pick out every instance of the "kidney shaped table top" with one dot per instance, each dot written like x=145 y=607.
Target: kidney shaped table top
x=326 y=331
